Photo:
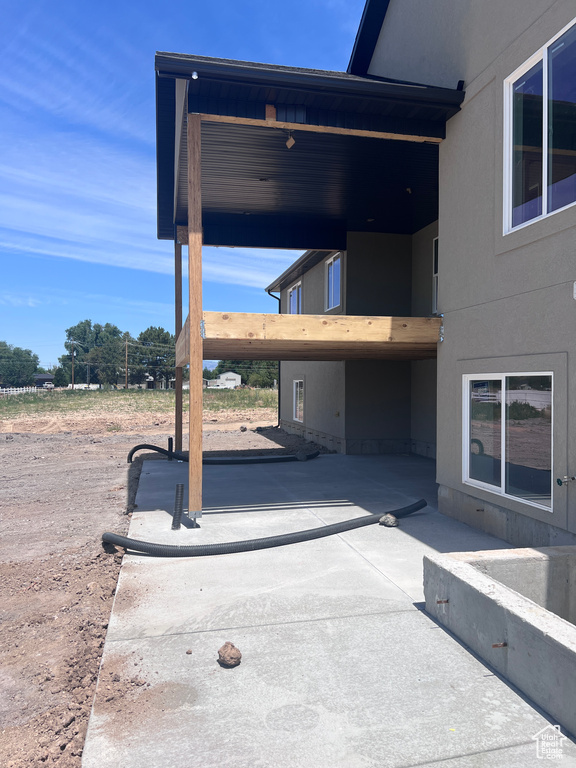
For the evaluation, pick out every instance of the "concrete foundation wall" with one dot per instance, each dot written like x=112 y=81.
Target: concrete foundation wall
x=513 y=526
x=546 y=575
x=524 y=642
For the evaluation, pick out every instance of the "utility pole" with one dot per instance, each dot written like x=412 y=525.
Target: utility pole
x=72 y=365
x=126 y=386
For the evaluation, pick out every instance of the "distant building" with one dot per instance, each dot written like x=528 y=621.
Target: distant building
x=226 y=380
x=43 y=378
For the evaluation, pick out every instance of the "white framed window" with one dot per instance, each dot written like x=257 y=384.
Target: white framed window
x=298 y=412
x=295 y=299
x=507 y=434
x=539 y=133
x=435 y=276
x=333 y=282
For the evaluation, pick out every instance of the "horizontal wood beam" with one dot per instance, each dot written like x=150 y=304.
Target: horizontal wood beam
x=271 y=123
x=239 y=335
x=183 y=345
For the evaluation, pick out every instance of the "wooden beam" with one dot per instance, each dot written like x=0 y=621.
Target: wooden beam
x=239 y=335
x=269 y=123
x=178 y=416
x=183 y=346
x=195 y=315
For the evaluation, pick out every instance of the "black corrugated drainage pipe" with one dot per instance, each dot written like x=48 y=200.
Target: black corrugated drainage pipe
x=202 y=550
x=180 y=456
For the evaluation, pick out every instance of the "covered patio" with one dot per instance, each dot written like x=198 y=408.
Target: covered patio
x=340 y=667
x=252 y=155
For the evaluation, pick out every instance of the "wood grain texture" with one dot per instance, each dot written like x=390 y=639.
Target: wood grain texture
x=269 y=123
x=195 y=313
x=240 y=335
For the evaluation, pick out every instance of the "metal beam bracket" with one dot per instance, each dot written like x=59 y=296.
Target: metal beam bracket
x=202 y=329
x=441 y=330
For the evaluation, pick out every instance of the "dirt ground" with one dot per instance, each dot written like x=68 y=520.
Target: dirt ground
x=63 y=481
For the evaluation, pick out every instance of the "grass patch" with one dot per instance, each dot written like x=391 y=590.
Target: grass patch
x=239 y=399
x=68 y=402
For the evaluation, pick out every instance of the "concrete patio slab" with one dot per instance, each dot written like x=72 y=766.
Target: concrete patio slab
x=339 y=668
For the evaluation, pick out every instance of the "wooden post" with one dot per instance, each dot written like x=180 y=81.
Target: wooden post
x=195 y=313
x=126 y=364
x=72 y=366
x=178 y=327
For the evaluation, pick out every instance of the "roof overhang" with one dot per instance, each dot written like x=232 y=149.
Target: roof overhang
x=367 y=36
x=364 y=157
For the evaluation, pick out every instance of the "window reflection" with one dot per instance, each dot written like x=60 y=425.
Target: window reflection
x=485 y=431
x=528 y=432
x=527 y=151
x=562 y=121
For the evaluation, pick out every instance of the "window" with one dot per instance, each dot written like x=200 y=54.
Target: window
x=333 y=282
x=435 y=276
x=509 y=451
x=298 y=400
x=295 y=300
x=540 y=133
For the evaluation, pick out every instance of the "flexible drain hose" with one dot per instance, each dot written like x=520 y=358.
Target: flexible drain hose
x=179 y=456
x=202 y=550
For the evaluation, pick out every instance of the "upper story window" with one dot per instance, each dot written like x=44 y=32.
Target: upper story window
x=540 y=133
x=295 y=299
x=333 y=283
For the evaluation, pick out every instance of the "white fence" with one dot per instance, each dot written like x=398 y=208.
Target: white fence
x=20 y=390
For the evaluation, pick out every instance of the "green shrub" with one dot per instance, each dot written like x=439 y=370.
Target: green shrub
x=521 y=411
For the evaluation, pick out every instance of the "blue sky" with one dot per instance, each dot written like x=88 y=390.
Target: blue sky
x=77 y=168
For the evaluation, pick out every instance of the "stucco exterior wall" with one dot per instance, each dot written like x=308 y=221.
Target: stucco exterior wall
x=507 y=299
x=378 y=274
x=324 y=404
x=377 y=406
x=423 y=408
x=313 y=289
x=422 y=270
x=446 y=41
x=365 y=406
x=423 y=372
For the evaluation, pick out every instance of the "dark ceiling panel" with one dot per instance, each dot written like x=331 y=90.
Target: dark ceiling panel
x=250 y=176
x=256 y=191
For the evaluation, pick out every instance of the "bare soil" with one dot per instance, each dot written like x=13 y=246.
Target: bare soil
x=63 y=481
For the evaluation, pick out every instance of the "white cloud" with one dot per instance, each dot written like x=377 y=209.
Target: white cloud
x=19 y=300
x=75 y=77
x=240 y=266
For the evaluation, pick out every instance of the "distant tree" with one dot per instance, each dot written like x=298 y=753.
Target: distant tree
x=208 y=373
x=17 y=366
x=255 y=373
x=60 y=377
x=157 y=354
x=98 y=353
